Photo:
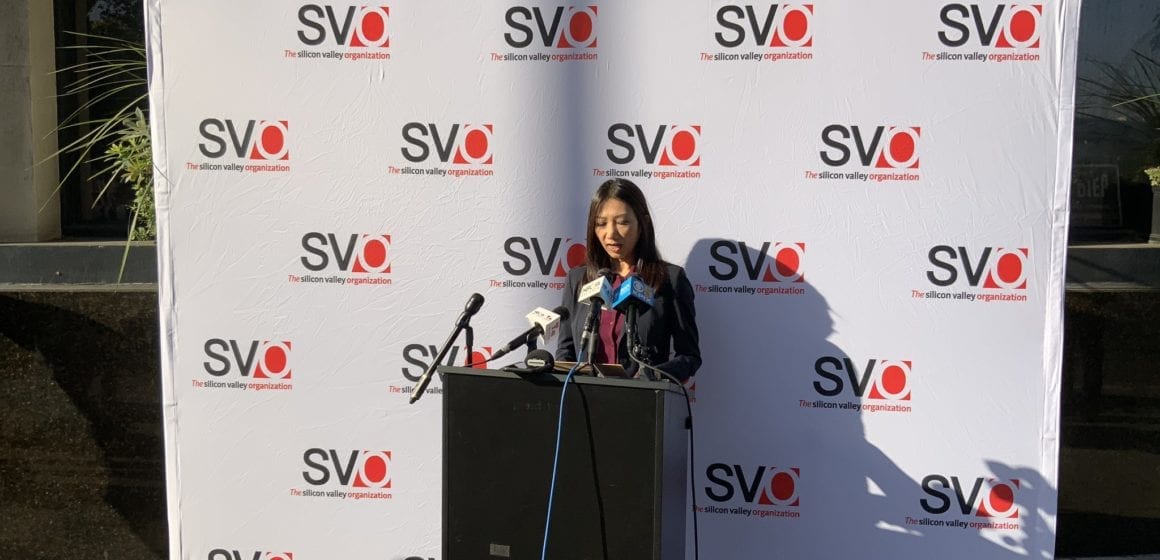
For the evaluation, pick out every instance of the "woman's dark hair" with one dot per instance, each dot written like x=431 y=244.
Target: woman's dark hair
x=650 y=268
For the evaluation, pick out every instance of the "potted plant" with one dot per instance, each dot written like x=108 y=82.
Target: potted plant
x=1154 y=179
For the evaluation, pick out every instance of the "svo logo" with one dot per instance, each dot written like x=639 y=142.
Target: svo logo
x=560 y=257
x=885 y=379
x=364 y=26
x=473 y=147
x=997 y=268
x=360 y=469
x=779 y=25
x=571 y=27
x=421 y=356
x=264 y=359
x=889 y=146
x=677 y=145
x=253 y=140
x=1008 y=26
x=784 y=266
x=223 y=554
x=769 y=486
x=987 y=498
x=360 y=254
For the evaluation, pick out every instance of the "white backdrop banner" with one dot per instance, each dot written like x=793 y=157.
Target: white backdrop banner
x=870 y=199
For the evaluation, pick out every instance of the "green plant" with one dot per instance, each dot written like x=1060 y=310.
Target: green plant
x=1153 y=176
x=117 y=145
x=131 y=158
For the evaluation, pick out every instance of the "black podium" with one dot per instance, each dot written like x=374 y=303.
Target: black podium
x=621 y=486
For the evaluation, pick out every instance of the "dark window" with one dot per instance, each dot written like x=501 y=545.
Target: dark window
x=85 y=212
x=1110 y=452
x=1117 y=126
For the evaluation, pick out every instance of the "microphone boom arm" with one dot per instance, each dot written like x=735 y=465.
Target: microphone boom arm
x=463 y=322
x=425 y=380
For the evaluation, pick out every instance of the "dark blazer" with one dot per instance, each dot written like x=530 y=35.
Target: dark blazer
x=669 y=329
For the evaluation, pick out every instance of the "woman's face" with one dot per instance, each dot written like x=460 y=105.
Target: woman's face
x=617 y=229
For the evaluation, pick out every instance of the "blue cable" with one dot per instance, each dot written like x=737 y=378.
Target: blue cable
x=556 y=458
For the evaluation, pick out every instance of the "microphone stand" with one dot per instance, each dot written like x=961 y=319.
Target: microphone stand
x=417 y=392
x=590 y=353
x=589 y=337
x=469 y=336
x=634 y=346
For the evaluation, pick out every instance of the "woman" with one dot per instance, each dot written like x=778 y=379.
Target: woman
x=621 y=240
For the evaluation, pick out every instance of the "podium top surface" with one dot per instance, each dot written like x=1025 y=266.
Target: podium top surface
x=558 y=379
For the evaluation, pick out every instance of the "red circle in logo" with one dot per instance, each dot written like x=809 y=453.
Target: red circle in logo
x=477 y=360
x=788 y=262
x=782 y=486
x=684 y=145
x=796 y=25
x=1009 y=269
x=273 y=140
x=894 y=380
x=902 y=147
x=375 y=468
x=374 y=27
x=275 y=359
x=1002 y=498
x=374 y=253
x=476 y=144
x=576 y=256
x=580 y=27
x=1023 y=26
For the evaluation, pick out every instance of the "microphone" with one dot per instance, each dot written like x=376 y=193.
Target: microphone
x=600 y=288
x=537 y=361
x=634 y=293
x=471 y=308
x=473 y=304
x=544 y=322
x=633 y=297
x=597 y=293
x=540 y=361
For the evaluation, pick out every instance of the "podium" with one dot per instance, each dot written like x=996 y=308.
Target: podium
x=622 y=480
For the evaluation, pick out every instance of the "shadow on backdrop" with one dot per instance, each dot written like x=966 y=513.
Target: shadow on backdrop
x=861 y=493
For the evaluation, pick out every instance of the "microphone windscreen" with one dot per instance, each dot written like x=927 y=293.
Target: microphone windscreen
x=473 y=304
x=562 y=311
x=598 y=288
x=633 y=292
x=540 y=360
x=548 y=321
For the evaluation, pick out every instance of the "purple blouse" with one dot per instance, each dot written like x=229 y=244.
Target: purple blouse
x=611 y=326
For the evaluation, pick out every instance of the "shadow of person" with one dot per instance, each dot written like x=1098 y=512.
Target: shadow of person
x=108 y=371
x=1037 y=538
x=785 y=465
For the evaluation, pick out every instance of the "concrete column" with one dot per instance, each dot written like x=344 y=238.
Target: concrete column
x=29 y=209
